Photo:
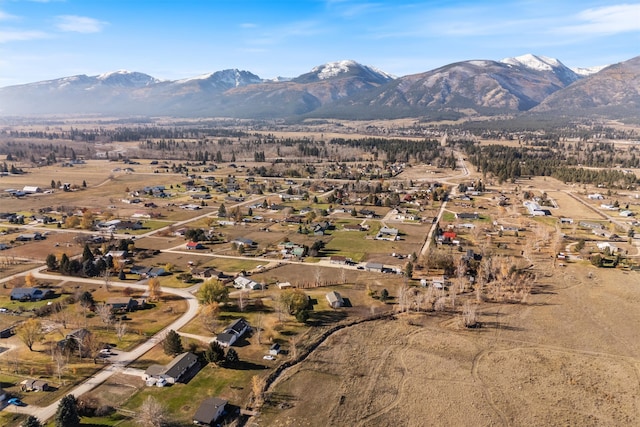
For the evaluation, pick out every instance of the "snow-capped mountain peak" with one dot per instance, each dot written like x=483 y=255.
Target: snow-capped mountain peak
x=332 y=69
x=126 y=78
x=534 y=62
x=225 y=79
x=345 y=68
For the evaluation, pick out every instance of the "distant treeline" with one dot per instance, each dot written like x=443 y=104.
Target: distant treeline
x=401 y=150
x=510 y=163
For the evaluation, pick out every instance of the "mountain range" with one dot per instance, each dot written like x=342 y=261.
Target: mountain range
x=347 y=90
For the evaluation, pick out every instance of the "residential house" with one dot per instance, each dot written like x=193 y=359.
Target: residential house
x=144 y=271
x=30 y=294
x=177 y=370
x=352 y=227
x=334 y=299
x=233 y=332
x=592 y=225
x=321 y=227
x=117 y=255
x=367 y=213
x=209 y=411
x=77 y=339
x=242 y=282
x=374 y=266
x=194 y=245
x=27 y=237
x=34 y=385
x=7 y=332
x=244 y=242
x=386 y=233
x=121 y=304
x=208 y=273
x=467 y=215
x=338 y=259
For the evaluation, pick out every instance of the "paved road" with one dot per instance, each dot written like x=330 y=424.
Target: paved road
x=122 y=359
x=454 y=191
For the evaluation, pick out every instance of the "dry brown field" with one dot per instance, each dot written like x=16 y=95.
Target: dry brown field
x=569 y=356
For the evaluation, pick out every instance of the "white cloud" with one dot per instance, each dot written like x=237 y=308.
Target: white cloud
x=248 y=25
x=79 y=24
x=615 y=19
x=7 y=17
x=18 y=35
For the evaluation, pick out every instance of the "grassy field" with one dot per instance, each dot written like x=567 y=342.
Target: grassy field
x=507 y=372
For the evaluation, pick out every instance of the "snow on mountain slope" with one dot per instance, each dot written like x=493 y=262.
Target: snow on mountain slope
x=333 y=69
x=534 y=62
x=126 y=78
x=587 y=71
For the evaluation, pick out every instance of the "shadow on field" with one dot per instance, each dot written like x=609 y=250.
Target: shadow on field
x=322 y=318
x=243 y=365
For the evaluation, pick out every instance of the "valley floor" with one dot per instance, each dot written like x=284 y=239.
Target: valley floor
x=570 y=356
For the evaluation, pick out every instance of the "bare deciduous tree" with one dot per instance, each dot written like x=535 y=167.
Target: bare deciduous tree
x=469 y=315
x=242 y=299
x=105 y=314
x=121 y=329
x=151 y=414
x=60 y=361
x=258 y=327
x=209 y=316
x=154 y=289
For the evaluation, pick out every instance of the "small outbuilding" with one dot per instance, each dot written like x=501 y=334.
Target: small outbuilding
x=335 y=299
x=275 y=349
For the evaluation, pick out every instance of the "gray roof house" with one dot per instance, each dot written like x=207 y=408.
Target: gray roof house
x=232 y=332
x=209 y=411
x=118 y=304
x=175 y=371
x=374 y=266
x=34 y=385
x=30 y=294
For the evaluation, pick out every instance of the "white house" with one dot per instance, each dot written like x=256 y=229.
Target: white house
x=242 y=282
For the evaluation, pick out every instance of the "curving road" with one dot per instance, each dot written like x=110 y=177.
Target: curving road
x=122 y=359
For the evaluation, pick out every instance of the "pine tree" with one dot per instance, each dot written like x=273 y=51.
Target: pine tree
x=232 y=356
x=31 y=421
x=67 y=413
x=87 y=255
x=214 y=353
x=172 y=344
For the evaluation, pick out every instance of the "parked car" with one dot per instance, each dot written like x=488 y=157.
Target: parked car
x=268 y=357
x=16 y=401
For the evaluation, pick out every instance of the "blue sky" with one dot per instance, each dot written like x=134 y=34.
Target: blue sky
x=46 y=39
